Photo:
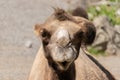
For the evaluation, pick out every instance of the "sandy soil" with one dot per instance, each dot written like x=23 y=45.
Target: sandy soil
x=17 y=19
x=111 y=63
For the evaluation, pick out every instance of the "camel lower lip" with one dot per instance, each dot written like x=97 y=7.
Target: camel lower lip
x=63 y=68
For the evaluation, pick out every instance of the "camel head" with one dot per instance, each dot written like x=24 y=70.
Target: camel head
x=62 y=36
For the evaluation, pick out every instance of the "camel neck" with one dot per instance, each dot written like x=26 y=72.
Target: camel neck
x=66 y=75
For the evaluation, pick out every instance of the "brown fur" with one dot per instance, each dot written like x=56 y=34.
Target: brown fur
x=80 y=12
x=85 y=67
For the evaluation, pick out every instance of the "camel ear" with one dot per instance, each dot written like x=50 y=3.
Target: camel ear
x=42 y=33
x=38 y=29
x=89 y=33
x=79 y=11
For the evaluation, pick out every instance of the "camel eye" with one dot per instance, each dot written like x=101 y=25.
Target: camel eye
x=45 y=33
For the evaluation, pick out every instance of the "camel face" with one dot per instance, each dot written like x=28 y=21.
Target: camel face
x=61 y=44
x=62 y=36
x=62 y=49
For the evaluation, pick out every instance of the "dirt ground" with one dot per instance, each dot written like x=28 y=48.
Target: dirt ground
x=17 y=19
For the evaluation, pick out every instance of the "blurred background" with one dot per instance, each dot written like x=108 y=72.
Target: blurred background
x=19 y=45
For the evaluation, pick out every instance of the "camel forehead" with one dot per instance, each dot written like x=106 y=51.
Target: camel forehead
x=62 y=33
x=71 y=27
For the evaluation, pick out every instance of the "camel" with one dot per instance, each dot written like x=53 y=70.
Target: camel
x=63 y=54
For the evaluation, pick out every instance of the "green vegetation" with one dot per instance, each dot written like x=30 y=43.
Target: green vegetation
x=114 y=0
x=96 y=52
x=109 y=11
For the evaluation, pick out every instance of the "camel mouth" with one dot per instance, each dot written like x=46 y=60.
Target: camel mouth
x=63 y=65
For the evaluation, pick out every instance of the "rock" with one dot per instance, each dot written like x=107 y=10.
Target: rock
x=117 y=28
x=117 y=36
x=102 y=21
x=104 y=30
x=98 y=8
x=107 y=36
x=100 y=42
x=111 y=49
x=28 y=44
x=117 y=12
